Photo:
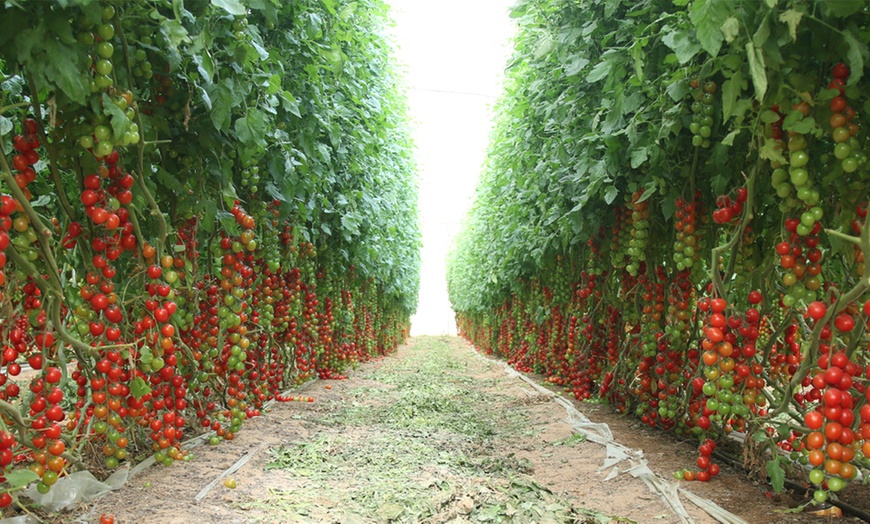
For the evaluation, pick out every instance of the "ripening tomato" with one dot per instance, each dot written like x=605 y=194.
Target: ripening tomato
x=815 y=440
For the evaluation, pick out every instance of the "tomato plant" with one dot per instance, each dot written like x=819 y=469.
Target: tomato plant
x=201 y=206
x=695 y=175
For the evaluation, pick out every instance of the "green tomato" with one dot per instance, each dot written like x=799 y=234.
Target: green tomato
x=798 y=176
x=836 y=484
x=104 y=149
x=842 y=151
x=778 y=177
x=850 y=164
x=105 y=49
x=797 y=143
x=102 y=132
x=103 y=81
x=799 y=159
x=104 y=67
x=106 y=31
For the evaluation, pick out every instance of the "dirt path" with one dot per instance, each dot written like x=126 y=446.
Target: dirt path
x=433 y=434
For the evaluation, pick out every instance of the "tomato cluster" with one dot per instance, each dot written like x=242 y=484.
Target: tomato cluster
x=753 y=317
x=152 y=290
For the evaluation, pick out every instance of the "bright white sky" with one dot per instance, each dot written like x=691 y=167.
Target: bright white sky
x=454 y=52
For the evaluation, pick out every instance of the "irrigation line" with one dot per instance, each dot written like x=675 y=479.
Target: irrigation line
x=229 y=471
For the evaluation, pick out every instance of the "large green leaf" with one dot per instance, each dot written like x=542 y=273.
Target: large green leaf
x=708 y=17
x=251 y=128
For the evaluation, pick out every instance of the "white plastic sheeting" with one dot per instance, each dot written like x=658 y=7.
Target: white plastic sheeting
x=626 y=460
x=82 y=487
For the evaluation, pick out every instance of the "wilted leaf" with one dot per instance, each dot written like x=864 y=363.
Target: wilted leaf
x=792 y=17
x=757 y=70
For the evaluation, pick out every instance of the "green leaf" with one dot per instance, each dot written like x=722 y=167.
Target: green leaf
x=289 y=103
x=648 y=191
x=139 y=388
x=18 y=478
x=601 y=69
x=274 y=192
x=120 y=122
x=843 y=8
x=792 y=18
x=678 y=90
x=730 y=29
x=223 y=100
x=61 y=27
x=637 y=57
x=350 y=223
x=683 y=45
x=330 y=6
x=233 y=7
x=639 y=156
x=545 y=45
x=761 y=34
x=708 y=17
x=205 y=66
x=274 y=84
x=175 y=33
x=169 y=181
x=731 y=90
x=5 y=125
x=335 y=58
x=776 y=474
x=796 y=122
x=610 y=194
x=228 y=221
x=855 y=56
x=757 y=70
x=208 y=212
x=719 y=183
x=63 y=65
x=772 y=150
x=768 y=116
x=576 y=65
x=760 y=436
x=729 y=138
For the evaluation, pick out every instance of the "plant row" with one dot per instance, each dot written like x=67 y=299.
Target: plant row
x=673 y=218
x=203 y=205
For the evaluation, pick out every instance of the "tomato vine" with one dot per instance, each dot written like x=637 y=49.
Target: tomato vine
x=203 y=204
x=673 y=217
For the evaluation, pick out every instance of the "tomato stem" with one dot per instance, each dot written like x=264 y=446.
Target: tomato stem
x=52 y=152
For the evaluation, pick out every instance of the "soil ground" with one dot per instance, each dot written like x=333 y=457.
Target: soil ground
x=432 y=434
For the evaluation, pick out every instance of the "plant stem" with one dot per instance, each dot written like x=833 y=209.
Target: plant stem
x=52 y=152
